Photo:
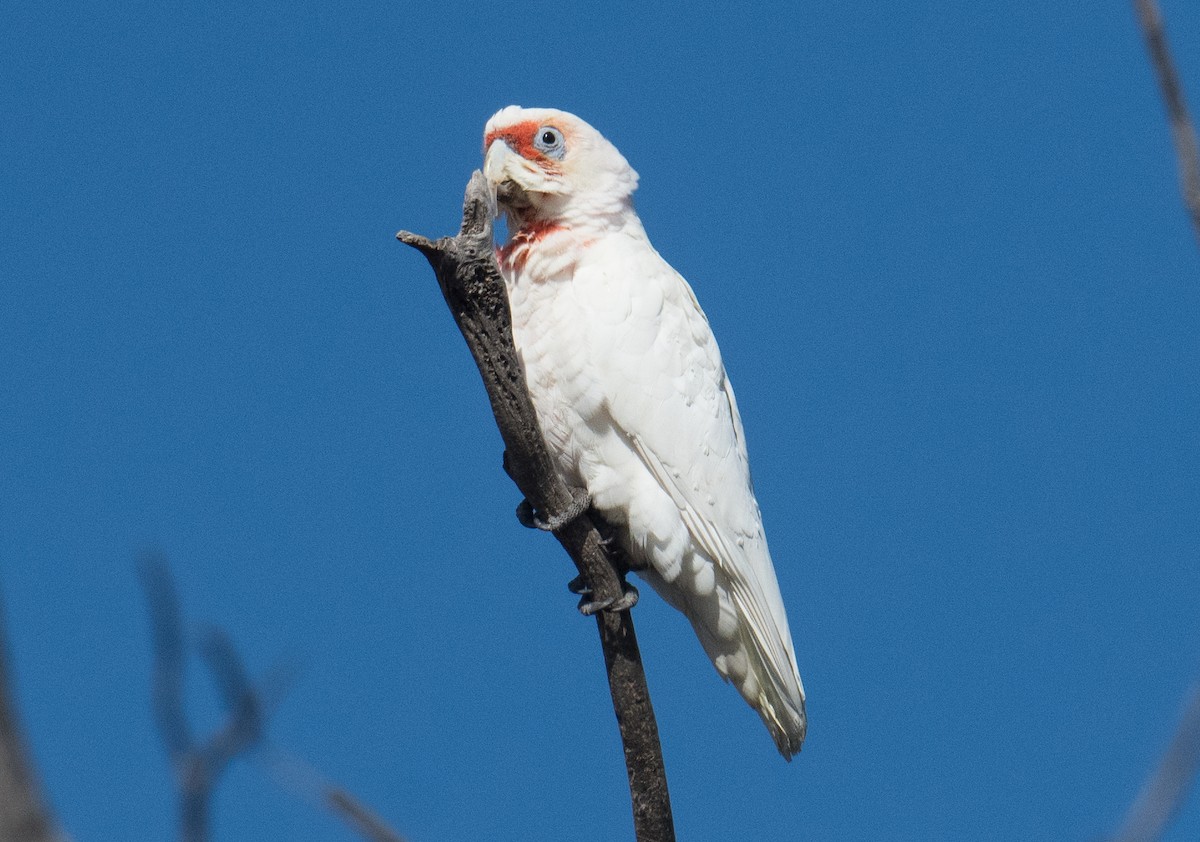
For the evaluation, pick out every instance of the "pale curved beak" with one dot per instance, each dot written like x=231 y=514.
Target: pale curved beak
x=495 y=162
x=497 y=169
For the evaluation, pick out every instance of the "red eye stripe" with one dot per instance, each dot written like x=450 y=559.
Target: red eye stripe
x=519 y=137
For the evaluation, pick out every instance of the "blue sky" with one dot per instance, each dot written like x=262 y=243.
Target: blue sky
x=941 y=246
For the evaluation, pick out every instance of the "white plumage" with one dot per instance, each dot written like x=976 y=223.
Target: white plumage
x=633 y=400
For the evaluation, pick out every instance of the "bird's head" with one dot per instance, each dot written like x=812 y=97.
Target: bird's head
x=549 y=165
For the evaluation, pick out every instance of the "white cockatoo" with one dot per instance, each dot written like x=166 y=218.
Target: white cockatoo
x=633 y=400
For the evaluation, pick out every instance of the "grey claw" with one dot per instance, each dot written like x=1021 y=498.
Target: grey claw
x=533 y=519
x=587 y=608
x=627 y=599
x=526 y=516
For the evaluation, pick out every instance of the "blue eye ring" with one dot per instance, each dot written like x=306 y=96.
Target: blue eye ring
x=550 y=142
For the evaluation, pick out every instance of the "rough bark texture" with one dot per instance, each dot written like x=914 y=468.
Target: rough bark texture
x=470 y=280
x=23 y=818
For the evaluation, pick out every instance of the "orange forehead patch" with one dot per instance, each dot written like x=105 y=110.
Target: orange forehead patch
x=519 y=137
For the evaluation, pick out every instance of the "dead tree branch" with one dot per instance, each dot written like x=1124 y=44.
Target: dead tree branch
x=299 y=776
x=358 y=816
x=1182 y=131
x=471 y=284
x=1164 y=792
x=23 y=815
x=197 y=765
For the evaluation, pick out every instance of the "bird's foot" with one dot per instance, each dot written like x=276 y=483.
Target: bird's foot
x=621 y=559
x=533 y=519
x=588 y=606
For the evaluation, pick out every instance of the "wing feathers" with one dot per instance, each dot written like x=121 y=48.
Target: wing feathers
x=667 y=395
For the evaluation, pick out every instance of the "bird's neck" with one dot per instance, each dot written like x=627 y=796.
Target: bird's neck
x=589 y=216
x=549 y=233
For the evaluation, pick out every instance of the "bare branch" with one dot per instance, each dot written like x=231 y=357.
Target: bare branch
x=197 y=765
x=1164 y=792
x=299 y=776
x=1182 y=131
x=167 y=629
x=471 y=284
x=356 y=814
x=23 y=815
x=244 y=726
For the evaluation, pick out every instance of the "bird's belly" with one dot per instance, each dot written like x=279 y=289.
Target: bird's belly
x=591 y=453
x=563 y=401
x=589 y=449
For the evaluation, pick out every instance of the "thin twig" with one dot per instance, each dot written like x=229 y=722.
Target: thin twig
x=166 y=626
x=1164 y=792
x=358 y=816
x=1182 y=131
x=198 y=765
x=470 y=280
x=299 y=776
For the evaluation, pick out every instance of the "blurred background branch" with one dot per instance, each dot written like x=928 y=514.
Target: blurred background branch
x=358 y=816
x=300 y=777
x=1182 y=131
x=23 y=814
x=1165 y=791
x=198 y=765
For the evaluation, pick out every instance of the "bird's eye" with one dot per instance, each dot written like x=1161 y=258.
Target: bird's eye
x=549 y=141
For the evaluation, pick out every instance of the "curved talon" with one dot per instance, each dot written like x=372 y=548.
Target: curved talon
x=525 y=515
x=587 y=608
x=532 y=519
x=627 y=599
